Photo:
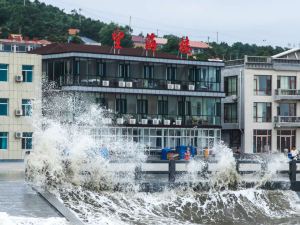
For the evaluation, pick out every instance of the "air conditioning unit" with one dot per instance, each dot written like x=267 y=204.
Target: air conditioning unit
x=170 y=86
x=144 y=121
x=155 y=121
x=120 y=121
x=19 y=78
x=191 y=87
x=129 y=84
x=19 y=112
x=107 y=121
x=105 y=83
x=132 y=121
x=122 y=84
x=167 y=122
x=177 y=86
x=178 y=122
x=18 y=135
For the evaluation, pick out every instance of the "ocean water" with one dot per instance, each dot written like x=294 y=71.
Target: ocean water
x=66 y=161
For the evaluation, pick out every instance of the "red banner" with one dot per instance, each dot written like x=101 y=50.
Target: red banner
x=150 y=42
x=184 y=46
x=117 y=36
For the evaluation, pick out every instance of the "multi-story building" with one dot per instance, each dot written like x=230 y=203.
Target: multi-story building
x=20 y=89
x=261 y=111
x=162 y=101
x=16 y=43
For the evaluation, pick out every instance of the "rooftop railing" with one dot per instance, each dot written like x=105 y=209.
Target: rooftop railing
x=287 y=121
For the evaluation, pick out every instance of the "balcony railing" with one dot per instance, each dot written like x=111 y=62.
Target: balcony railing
x=287 y=121
x=289 y=94
x=163 y=84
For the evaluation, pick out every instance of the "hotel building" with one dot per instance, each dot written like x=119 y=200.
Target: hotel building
x=20 y=93
x=161 y=101
x=261 y=111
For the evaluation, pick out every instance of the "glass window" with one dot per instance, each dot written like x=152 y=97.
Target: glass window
x=3 y=106
x=286 y=82
x=262 y=85
x=171 y=73
x=121 y=106
x=230 y=113
x=3 y=140
x=162 y=105
x=142 y=106
x=184 y=108
x=286 y=139
x=101 y=69
x=27 y=72
x=148 y=72
x=27 y=140
x=230 y=85
x=3 y=72
x=27 y=107
x=286 y=109
x=7 y=47
x=124 y=70
x=262 y=112
x=262 y=140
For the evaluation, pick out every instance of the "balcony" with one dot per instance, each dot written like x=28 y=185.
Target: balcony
x=286 y=121
x=163 y=120
x=139 y=83
x=287 y=94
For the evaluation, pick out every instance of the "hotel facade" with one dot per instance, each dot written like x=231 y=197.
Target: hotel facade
x=261 y=111
x=20 y=94
x=160 y=101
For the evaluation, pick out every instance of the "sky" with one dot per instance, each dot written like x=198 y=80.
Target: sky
x=262 y=22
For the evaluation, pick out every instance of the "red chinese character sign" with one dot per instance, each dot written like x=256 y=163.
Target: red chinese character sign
x=184 y=46
x=150 y=43
x=117 y=36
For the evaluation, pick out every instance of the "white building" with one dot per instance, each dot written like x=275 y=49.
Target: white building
x=261 y=112
x=20 y=88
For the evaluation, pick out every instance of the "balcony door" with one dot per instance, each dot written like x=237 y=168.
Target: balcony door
x=286 y=139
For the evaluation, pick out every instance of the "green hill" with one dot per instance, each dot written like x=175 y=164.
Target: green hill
x=38 y=20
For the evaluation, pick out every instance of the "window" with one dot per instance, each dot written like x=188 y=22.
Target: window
x=148 y=72
x=230 y=113
x=171 y=73
x=27 y=107
x=3 y=106
x=230 y=85
x=101 y=69
x=262 y=140
x=27 y=140
x=286 y=139
x=3 y=72
x=162 y=105
x=262 y=112
x=262 y=85
x=184 y=108
x=124 y=70
x=121 y=106
x=142 y=106
x=286 y=82
x=286 y=109
x=3 y=140
x=27 y=73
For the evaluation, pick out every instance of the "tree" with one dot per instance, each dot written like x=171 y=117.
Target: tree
x=106 y=35
x=172 y=44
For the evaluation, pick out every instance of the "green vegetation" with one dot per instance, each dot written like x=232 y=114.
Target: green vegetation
x=38 y=20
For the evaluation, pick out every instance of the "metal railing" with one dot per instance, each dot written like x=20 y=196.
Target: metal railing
x=163 y=84
x=293 y=92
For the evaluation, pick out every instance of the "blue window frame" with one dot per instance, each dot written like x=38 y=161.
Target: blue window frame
x=27 y=107
x=3 y=140
x=27 y=140
x=3 y=72
x=3 y=106
x=27 y=73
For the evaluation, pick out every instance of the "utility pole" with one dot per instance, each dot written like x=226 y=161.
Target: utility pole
x=217 y=37
x=156 y=32
x=80 y=16
x=208 y=39
x=24 y=2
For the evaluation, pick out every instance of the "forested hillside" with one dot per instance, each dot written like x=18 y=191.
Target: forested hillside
x=38 y=20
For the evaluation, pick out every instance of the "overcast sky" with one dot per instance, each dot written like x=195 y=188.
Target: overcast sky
x=264 y=22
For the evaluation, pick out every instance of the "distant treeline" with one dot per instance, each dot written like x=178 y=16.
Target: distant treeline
x=38 y=20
